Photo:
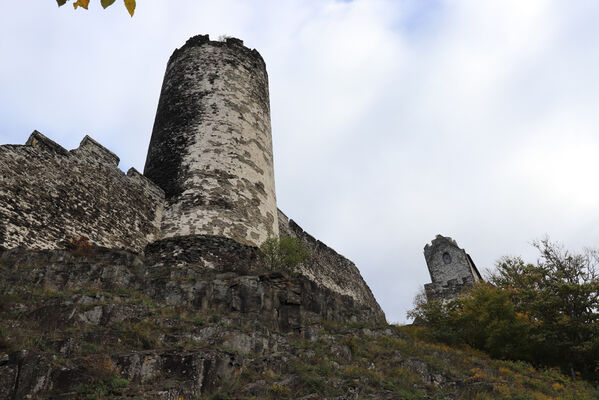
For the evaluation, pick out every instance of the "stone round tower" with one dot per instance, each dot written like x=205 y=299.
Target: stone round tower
x=211 y=146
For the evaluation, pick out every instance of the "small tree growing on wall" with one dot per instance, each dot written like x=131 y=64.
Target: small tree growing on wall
x=283 y=254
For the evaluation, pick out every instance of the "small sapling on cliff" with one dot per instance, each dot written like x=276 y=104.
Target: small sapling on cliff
x=283 y=254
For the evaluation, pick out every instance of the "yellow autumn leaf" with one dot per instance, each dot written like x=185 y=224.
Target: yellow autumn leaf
x=106 y=3
x=130 y=4
x=82 y=3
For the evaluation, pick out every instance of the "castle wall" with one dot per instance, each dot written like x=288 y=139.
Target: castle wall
x=327 y=268
x=49 y=195
x=211 y=146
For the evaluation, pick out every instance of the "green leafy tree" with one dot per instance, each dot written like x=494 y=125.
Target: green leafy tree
x=283 y=253
x=545 y=313
x=129 y=4
x=560 y=293
x=485 y=318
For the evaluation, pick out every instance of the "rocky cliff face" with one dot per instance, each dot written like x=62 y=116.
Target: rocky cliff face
x=147 y=316
x=97 y=323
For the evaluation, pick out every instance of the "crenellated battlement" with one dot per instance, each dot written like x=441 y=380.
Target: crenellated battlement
x=145 y=183
x=89 y=150
x=236 y=44
x=93 y=150
x=49 y=195
x=38 y=140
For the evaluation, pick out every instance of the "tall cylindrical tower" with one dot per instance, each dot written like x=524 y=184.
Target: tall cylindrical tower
x=211 y=146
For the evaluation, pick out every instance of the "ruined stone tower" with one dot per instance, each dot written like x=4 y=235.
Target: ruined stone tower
x=450 y=267
x=211 y=146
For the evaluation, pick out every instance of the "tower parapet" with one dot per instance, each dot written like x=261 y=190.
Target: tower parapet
x=211 y=146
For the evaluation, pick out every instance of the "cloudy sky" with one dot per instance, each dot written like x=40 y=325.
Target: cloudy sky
x=393 y=120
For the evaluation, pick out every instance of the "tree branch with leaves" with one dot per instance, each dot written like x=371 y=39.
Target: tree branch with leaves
x=129 y=4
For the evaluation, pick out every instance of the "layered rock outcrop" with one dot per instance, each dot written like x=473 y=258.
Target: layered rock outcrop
x=110 y=324
x=117 y=314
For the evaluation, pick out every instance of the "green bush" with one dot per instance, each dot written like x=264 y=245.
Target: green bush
x=545 y=313
x=485 y=319
x=283 y=253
